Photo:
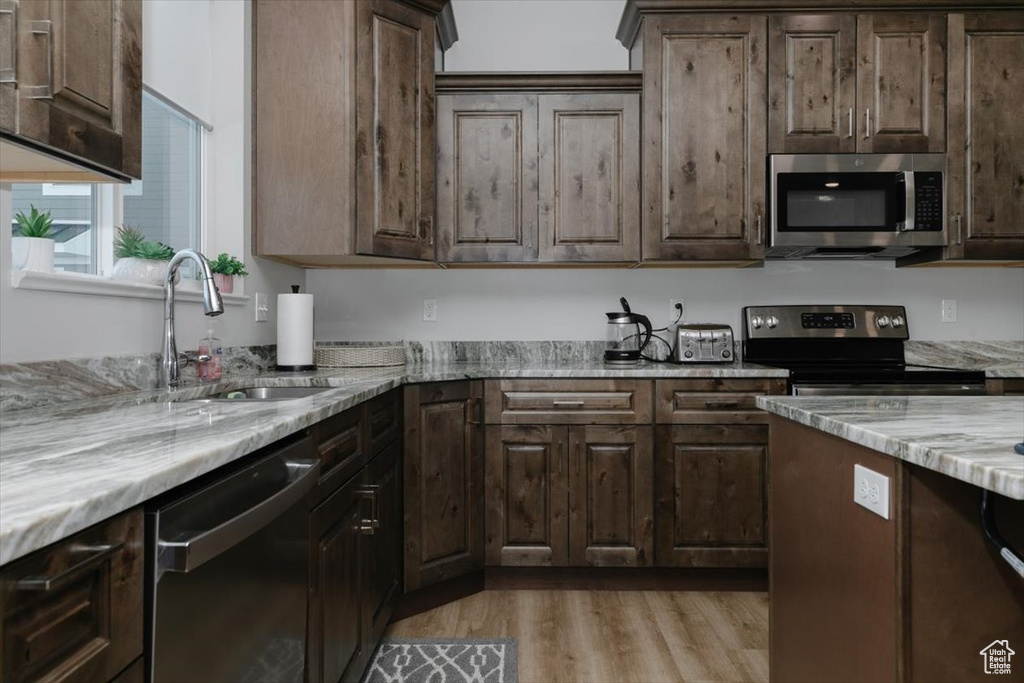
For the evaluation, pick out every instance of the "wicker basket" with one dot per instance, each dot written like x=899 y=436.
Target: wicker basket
x=359 y=356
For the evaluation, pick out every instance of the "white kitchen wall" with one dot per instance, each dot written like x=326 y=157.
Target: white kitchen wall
x=210 y=78
x=519 y=304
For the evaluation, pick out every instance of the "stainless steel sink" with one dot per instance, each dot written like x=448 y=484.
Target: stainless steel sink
x=263 y=394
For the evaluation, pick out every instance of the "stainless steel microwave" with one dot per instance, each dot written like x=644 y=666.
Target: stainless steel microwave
x=880 y=206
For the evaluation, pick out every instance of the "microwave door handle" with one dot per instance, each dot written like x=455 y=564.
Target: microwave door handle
x=909 y=204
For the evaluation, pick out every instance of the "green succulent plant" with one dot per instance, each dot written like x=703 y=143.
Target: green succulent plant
x=228 y=265
x=130 y=242
x=36 y=224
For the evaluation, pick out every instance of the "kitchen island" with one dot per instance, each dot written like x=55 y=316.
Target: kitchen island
x=916 y=593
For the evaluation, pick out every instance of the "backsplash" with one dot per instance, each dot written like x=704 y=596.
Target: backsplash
x=29 y=385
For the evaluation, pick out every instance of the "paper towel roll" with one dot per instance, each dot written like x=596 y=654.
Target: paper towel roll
x=295 y=331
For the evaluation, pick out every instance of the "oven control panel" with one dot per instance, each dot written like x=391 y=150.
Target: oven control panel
x=824 y=322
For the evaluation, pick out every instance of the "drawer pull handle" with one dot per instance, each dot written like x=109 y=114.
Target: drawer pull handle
x=569 y=404
x=95 y=555
x=722 y=405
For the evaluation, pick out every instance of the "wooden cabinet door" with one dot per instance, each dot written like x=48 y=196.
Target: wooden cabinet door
x=339 y=600
x=526 y=494
x=611 y=515
x=443 y=481
x=385 y=554
x=811 y=83
x=487 y=178
x=986 y=135
x=78 y=69
x=711 y=495
x=901 y=83
x=394 y=130
x=589 y=177
x=704 y=122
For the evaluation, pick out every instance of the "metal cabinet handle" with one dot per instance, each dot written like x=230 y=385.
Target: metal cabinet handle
x=10 y=73
x=42 y=27
x=369 y=526
x=568 y=404
x=94 y=556
x=187 y=554
x=721 y=405
x=959 y=228
x=760 y=229
x=867 y=123
x=576 y=451
x=849 y=122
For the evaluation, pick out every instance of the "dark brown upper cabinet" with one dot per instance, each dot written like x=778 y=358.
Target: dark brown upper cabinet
x=70 y=90
x=343 y=131
x=868 y=83
x=704 y=121
x=986 y=136
x=534 y=167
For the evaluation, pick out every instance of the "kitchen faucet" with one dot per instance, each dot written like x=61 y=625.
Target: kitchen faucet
x=212 y=305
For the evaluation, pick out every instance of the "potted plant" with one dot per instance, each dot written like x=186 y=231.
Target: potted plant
x=225 y=268
x=138 y=258
x=31 y=248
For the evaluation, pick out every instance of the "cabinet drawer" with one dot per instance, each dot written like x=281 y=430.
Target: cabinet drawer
x=340 y=448
x=696 y=401
x=73 y=611
x=383 y=421
x=582 y=401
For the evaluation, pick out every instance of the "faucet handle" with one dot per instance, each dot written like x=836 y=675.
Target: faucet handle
x=185 y=358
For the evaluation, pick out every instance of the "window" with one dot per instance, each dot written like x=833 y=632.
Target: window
x=167 y=205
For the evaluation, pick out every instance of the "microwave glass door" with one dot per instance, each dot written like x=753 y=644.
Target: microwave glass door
x=840 y=202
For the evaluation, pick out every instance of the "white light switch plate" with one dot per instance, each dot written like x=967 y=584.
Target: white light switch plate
x=430 y=310
x=871 y=490
x=261 y=307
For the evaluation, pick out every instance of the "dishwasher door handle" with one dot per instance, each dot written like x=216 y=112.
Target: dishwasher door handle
x=187 y=554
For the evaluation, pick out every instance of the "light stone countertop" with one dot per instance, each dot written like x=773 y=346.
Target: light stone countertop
x=969 y=438
x=71 y=465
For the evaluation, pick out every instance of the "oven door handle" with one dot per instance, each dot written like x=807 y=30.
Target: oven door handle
x=909 y=222
x=186 y=554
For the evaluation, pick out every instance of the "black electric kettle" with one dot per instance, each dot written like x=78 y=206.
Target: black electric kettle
x=625 y=341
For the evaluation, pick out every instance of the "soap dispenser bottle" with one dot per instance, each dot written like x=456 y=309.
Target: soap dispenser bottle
x=210 y=370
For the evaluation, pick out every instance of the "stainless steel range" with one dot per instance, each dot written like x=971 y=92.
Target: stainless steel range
x=846 y=351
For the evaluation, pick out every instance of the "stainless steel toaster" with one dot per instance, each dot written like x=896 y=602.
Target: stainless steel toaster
x=703 y=343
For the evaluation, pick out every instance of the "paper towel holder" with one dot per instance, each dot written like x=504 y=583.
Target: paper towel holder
x=295 y=368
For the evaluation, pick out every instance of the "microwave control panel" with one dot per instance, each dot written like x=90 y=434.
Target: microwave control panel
x=927 y=200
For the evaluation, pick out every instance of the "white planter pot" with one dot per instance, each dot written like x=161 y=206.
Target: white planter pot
x=32 y=253
x=140 y=270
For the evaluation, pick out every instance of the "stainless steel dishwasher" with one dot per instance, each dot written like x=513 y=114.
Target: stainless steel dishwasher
x=226 y=573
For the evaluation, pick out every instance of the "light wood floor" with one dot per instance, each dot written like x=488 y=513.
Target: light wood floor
x=595 y=636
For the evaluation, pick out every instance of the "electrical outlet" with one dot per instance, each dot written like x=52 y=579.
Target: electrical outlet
x=949 y=310
x=676 y=313
x=430 y=310
x=871 y=490
x=262 y=307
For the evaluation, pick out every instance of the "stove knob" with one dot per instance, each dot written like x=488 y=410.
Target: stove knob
x=688 y=354
x=898 y=321
x=882 y=321
x=772 y=321
x=757 y=321
x=726 y=353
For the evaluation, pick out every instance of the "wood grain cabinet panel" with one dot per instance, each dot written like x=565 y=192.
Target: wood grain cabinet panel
x=711 y=495
x=443 y=482
x=704 y=123
x=526 y=483
x=343 y=131
x=901 y=82
x=589 y=177
x=812 y=83
x=77 y=68
x=725 y=400
x=487 y=178
x=611 y=515
x=841 y=83
x=578 y=401
x=986 y=135
x=73 y=611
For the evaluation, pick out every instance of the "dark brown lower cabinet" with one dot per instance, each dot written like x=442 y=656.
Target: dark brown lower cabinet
x=443 y=482
x=711 y=495
x=73 y=611
x=569 y=496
